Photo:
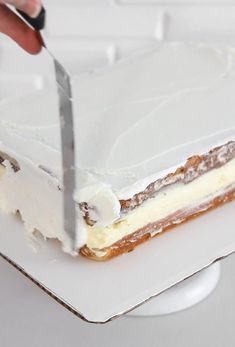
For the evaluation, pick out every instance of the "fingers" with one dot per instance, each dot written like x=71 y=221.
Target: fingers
x=13 y=26
x=31 y=7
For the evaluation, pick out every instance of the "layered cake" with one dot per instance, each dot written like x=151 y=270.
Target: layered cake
x=155 y=146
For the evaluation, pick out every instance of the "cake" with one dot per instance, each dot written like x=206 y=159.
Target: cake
x=155 y=147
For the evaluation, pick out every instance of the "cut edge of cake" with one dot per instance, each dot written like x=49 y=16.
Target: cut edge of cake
x=217 y=166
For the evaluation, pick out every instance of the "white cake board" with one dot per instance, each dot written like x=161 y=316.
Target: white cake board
x=99 y=292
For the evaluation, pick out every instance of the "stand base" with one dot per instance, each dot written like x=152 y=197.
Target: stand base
x=183 y=295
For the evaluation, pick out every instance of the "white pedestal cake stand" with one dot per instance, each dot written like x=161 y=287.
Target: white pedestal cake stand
x=183 y=295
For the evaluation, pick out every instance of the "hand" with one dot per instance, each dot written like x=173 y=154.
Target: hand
x=16 y=28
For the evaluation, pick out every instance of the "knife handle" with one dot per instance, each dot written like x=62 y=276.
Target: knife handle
x=37 y=23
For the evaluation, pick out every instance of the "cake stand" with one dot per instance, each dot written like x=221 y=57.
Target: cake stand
x=183 y=295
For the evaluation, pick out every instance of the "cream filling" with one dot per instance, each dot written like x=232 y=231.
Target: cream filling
x=166 y=202
x=40 y=202
x=2 y=170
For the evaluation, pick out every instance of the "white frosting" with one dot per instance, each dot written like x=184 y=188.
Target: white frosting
x=100 y=197
x=135 y=122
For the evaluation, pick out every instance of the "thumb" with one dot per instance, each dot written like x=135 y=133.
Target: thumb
x=18 y=30
x=30 y=7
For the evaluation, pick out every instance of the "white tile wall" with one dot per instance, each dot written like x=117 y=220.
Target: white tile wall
x=105 y=21
x=177 y=2
x=105 y=30
x=99 y=32
x=142 y=19
x=78 y=2
x=86 y=34
x=207 y=23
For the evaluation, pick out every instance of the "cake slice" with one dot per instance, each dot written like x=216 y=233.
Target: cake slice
x=155 y=145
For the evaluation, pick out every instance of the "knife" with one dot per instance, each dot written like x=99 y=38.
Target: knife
x=66 y=129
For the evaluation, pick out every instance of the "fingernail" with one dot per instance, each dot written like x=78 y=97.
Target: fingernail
x=35 y=8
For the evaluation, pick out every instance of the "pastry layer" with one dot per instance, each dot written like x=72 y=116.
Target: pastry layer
x=128 y=243
x=167 y=202
x=195 y=167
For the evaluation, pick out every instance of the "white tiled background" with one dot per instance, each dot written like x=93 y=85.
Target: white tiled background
x=142 y=19
x=86 y=34
x=105 y=30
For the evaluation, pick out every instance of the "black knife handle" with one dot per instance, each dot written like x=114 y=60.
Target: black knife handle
x=37 y=23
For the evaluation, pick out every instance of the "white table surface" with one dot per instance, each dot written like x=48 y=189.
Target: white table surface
x=29 y=317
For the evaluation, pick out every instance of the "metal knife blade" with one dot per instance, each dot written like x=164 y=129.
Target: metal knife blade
x=67 y=132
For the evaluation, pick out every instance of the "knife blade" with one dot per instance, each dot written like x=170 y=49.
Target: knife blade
x=64 y=91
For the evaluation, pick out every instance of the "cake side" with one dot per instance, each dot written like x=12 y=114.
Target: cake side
x=194 y=167
x=128 y=243
x=204 y=182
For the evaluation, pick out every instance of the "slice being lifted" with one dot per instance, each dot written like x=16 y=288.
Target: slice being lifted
x=155 y=147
